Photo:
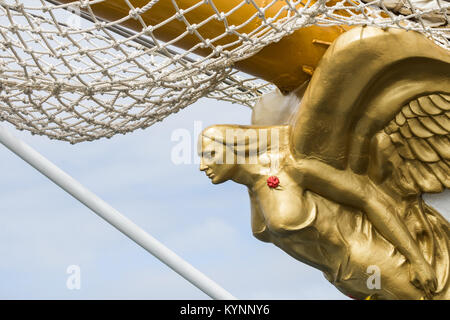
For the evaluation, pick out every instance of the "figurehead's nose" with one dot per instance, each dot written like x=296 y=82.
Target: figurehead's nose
x=203 y=167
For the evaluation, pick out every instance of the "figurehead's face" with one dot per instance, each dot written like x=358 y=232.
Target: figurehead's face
x=214 y=162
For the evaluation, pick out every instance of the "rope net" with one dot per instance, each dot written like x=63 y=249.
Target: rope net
x=69 y=75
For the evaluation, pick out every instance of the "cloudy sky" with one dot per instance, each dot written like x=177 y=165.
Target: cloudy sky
x=43 y=230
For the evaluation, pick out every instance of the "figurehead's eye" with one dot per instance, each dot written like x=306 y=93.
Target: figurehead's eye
x=209 y=154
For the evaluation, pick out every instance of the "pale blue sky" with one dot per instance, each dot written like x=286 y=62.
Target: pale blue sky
x=43 y=230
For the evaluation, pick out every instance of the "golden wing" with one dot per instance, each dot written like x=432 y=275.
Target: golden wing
x=371 y=81
x=375 y=118
x=419 y=144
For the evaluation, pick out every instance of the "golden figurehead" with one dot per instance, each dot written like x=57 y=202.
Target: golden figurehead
x=335 y=178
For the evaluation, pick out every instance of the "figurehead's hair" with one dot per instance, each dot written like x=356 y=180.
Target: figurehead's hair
x=252 y=139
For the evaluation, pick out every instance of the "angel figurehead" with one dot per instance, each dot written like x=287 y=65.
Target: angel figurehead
x=259 y=157
x=242 y=153
x=351 y=163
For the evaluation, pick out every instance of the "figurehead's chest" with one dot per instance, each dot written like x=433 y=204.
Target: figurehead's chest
x=281 y=207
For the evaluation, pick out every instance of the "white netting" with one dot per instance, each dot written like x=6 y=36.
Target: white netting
x=82 y=79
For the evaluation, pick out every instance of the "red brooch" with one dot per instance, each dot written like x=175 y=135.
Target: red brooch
x=273 y=182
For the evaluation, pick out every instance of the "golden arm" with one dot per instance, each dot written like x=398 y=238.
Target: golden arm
x=348 y=188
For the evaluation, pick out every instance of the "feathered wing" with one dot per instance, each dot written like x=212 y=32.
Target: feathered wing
x=373 y=82
x=379 y=105
x=420 y=139
x=415 y=152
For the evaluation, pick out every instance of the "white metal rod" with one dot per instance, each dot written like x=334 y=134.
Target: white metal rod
x=114 y=217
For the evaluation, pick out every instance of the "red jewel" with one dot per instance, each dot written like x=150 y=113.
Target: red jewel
x=273 y=182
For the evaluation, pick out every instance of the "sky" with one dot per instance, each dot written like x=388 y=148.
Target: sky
x=43 y=230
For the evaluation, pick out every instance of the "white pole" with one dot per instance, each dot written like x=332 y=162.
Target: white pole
x=114 y=217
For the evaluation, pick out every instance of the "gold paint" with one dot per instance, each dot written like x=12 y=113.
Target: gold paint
x=325 y=43
x=353 y=162
x=308 y=70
